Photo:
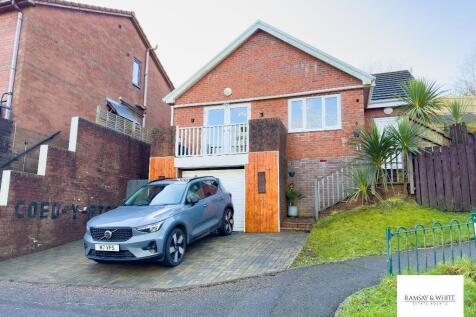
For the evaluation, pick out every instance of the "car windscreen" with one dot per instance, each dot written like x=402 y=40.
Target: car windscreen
x=162 y=194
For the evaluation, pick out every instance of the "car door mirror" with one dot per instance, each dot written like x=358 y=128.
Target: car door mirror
x=193 y=200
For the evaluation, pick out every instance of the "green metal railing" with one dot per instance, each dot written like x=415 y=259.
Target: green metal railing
x=420 y=248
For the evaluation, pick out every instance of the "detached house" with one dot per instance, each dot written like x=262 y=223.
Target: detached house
x=60 y=59
x=267 y=111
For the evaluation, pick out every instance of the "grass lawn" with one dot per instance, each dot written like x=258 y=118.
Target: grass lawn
x=361 y=231
x=381 y=300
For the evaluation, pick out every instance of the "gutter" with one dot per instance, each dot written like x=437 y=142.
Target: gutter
x=13 y=68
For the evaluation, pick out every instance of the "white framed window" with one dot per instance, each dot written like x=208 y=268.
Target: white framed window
x=136 y=72
x=227 y=114
x=314 y=113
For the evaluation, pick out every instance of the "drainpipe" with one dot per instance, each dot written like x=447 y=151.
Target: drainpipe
x=146 y=81
x=11 y=81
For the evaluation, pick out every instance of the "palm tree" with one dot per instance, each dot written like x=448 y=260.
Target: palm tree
x=422 y=100
x=363 y=180
x=406 y=136
x=376 y=149
x=458 y=109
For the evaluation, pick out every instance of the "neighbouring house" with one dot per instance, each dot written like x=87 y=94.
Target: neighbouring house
x=267 y=111
x=91 y=73
x=385 y=103
x=61 y=59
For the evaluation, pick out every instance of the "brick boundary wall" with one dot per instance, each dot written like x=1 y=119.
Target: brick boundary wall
x=88 y=179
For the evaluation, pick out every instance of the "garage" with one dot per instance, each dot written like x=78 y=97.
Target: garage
x=234 y=182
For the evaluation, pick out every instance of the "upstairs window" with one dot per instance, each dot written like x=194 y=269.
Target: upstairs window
x=314 y=113
x=136 y=72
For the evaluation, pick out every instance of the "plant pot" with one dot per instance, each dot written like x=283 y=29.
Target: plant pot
x=292 y=211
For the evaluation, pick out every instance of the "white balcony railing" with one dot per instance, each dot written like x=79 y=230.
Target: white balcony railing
x=213 y=140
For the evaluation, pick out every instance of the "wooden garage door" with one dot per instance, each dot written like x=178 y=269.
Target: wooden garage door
x=234 y=181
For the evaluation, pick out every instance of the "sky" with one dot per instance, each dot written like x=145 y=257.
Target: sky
x=431 y=38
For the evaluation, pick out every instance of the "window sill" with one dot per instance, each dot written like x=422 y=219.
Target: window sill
x=136 y=86
x=314 y=130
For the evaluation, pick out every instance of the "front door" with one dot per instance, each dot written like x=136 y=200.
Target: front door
x=382 y=124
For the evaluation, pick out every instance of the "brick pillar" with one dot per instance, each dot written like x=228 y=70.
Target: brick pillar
x=268 y=136
x=162 y=154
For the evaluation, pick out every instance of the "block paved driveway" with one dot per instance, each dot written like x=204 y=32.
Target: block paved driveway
x=214 y=259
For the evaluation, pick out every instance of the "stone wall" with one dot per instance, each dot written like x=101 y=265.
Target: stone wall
x=90 y=178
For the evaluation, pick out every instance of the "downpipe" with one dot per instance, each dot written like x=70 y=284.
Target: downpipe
x=146 y=81
x=11 y=81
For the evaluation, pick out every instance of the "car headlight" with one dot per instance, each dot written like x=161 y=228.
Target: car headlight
x=150 y=228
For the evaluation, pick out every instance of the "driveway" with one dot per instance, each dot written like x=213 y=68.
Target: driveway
x=214 y=259
x=311 y=291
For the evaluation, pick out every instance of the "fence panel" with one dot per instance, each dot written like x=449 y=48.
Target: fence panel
x=471 y=157
x=440 y=190
x=423 y=180
x=416 y=178
x=457 y=198
x=463 y=172
x=119 y=124
x=445 y=177
x=431 y=179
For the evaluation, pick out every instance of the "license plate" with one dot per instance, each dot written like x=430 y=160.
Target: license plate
x=107 y=247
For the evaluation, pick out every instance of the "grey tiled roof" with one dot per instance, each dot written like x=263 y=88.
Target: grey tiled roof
x=389 y=85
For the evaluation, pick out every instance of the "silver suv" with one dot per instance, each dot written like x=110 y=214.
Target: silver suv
x=159 y=220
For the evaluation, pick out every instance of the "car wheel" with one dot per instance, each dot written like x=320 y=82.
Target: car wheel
x=174 y=247
x=227 y=223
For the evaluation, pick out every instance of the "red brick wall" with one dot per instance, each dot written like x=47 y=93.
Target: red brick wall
x=320 y=143
x=264 y=66
x=371 y=114
x=8 y=22
x=305 y=144
x=70 y=61
x=51 y=209
x=306 y=171
x=183 y=116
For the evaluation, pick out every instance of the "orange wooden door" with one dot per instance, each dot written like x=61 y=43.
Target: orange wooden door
x=262 y=209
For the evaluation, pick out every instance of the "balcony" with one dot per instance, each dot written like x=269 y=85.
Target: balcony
x=221 y=145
